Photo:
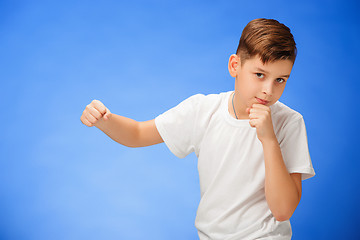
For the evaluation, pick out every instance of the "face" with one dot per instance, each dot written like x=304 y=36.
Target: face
x=256 y=82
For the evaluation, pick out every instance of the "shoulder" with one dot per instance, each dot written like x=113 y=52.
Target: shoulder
x=208 y=97
x=206 y=101
x=289 y=125
x=284 y=115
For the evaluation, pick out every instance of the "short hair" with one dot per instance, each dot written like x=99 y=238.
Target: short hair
x=268 y=39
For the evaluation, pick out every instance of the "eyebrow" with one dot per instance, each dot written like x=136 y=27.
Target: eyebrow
x=262 y=70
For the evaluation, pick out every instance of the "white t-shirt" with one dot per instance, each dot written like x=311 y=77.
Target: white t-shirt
x=231 y=164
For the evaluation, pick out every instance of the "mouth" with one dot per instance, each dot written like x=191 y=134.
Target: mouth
x=262 y=101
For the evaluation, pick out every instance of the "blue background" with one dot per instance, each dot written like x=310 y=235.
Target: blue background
x=62 y=180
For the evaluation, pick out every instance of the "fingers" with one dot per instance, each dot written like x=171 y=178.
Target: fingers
x=85 y=121
x=255 y=115
x=260 y=106
x=107 y=114
x=252 y=122
x=92 y=115
x=257 y=112
x=99 y=106
x=94 y=112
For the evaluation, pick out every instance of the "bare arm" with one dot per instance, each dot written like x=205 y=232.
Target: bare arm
x=123 y=130
x=148 y=134
x=120 y=129
x=129 y=132
x=282 y=190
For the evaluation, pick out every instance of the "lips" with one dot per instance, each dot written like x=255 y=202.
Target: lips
x=262 y=101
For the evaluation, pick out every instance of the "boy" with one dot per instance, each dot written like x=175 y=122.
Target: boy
x=252 y=149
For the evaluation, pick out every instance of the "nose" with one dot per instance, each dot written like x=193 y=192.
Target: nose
x=267 y=88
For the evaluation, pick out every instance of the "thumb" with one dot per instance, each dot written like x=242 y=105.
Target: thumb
x=107 y=114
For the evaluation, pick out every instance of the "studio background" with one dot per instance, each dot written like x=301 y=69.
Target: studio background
x=60 y=179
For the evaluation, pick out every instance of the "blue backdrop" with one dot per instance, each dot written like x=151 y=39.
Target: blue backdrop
x=62 y=180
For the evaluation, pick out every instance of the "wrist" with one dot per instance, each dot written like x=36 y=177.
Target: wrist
x=100 y=123
x=270 y=141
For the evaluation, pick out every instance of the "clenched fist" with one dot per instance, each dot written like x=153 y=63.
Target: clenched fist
x=94 y=112
x=260 y=118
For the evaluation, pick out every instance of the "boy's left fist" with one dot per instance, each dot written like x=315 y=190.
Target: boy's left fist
x=260 y=118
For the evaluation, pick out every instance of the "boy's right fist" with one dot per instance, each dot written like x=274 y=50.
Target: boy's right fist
x=94 y=112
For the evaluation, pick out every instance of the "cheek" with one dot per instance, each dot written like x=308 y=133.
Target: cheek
x=248 y=85
x=281 y=89
x=248 y=82
x=253 y=86
x=279 y=92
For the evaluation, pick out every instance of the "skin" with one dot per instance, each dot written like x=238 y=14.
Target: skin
x=282 y=190
x=254 y=79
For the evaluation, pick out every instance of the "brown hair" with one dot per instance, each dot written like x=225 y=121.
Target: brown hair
x=268 y=39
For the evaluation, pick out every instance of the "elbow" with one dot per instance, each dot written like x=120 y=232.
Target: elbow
x=284 y=210
x=283 y=216
x=130 y=145
x=134 y=146
x=127 y=144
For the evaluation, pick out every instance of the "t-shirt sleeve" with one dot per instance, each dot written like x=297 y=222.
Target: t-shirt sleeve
x=176 y=126
x=295 y=150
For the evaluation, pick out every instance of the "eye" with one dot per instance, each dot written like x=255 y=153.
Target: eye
x=280 y=80
x=260 y=75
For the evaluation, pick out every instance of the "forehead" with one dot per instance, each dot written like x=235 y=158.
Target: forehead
x=278 y=67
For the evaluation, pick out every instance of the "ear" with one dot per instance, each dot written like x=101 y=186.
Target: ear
x=234 y=64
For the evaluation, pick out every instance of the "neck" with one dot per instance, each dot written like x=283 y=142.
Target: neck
x=237 y=111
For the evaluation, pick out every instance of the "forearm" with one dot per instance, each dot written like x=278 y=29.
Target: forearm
x=280 y=189
x=121 y=129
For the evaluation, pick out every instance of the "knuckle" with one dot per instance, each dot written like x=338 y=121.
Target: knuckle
x=97 y=102
x=99 y=114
